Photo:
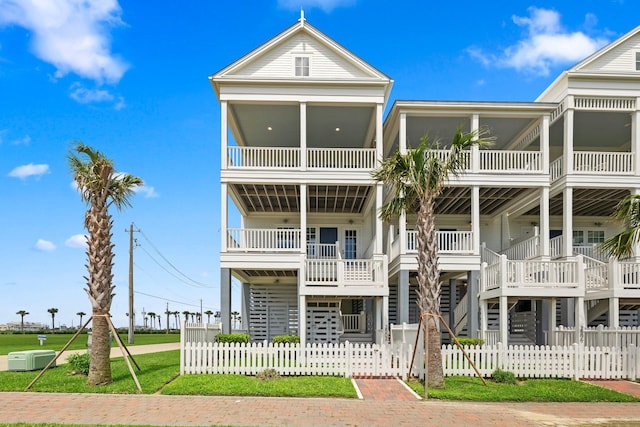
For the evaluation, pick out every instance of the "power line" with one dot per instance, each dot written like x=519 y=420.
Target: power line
x=170 y=300
x=171 y=273
x=169 y=262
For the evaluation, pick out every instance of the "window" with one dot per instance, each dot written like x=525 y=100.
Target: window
x=595 y=236
x=302 y=66
x=311 y=242
x=578 y=237
x=637 y=61
x=350 y=248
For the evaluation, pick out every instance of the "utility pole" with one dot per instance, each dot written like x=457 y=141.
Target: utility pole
x=131 y=310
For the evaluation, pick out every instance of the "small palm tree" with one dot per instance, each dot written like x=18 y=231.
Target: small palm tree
x=22 y=313
x=53 y=312
x=186 y=313
x=622 y=244
x=176 y=315
x=152 y=316
x=100 y=186
x=209 y=313
x=415 y=180
x=234 y=316
x=81 y=313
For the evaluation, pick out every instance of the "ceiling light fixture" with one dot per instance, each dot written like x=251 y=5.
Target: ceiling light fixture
x=337 y=129
x=269 y=128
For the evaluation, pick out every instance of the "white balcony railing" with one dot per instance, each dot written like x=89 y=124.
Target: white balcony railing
x=555 y=169
x=341 y=158
x=263 y=240
x=602 y=162
x=345 y=272
x=510 y=161
x=263 y=157
x=354 y=322
x=526 y=249
x=531 y=273
x=449 y=242
x=322 y=251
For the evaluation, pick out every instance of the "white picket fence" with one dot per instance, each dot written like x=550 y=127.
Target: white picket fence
x=599 y=336
x=345 y=359
x=575 y=361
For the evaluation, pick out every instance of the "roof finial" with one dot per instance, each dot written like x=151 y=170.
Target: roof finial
x=302 y=17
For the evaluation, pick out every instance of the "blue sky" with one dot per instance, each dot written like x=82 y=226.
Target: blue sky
x=130 y=79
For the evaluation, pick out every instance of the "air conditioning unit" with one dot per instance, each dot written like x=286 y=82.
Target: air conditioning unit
x=30 y=360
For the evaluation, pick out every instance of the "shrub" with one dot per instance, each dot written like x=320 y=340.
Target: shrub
x=232 y=338
x=505 y=377
x=470 y=341
x=79 y=363
x=286 y=339
x=268 y=374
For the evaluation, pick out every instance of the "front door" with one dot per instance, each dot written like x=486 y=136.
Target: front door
x=322 y=322
x=328 y=239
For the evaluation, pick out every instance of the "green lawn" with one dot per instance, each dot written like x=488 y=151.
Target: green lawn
x=529 y=390
x=160 y=374
x=19 y=342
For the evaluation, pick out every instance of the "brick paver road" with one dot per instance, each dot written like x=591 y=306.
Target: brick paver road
x=86 y=409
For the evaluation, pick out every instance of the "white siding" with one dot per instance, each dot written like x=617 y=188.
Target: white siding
x=324 y=62
x=620 y=59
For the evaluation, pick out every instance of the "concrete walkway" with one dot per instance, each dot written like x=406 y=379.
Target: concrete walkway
x=115 y=352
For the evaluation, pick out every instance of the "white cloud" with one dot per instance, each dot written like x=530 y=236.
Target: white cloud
x=76 y=241
x=44 y=245
x=73 y=35
x=546 y=44
x=325 y=5
x=26 y=171
x=147 y=191
x=85 y=96
x=25 y=140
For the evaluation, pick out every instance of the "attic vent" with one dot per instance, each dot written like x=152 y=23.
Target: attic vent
x=302 y=66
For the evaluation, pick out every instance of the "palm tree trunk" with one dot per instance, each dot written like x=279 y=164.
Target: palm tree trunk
x=100 y=366
x=429 y=289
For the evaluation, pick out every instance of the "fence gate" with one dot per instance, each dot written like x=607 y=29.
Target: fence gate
x=322 y=322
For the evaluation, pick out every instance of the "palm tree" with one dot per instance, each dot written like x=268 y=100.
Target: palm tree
x=186 y=315
x=22 y=313
x=415 y=180
x=209 y=313
x=81 y=313
x=622 y=244
x=234 y=316
x=53 y=312
x=100 y=186
x=152 y=316
x=176 y=315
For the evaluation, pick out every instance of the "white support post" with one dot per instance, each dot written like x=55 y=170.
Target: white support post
x=580 y=320
x=475 y=219
x=379 y=199
x=224 y=216
x=544 y=143
x=567 y=158
x=224 y=135
x=475 y=150
x=567 y=221
x=614 y=312
x=544 y=222
x=551 y=337
x=379 y=133
x=302 y=315
x=303 y=135
x=635 y=137
x=504 y=324
x=484 y=321
x=402 y=137
x=303 y=219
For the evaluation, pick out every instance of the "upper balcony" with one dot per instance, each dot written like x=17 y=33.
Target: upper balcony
x=600 y=163
x=289 y=158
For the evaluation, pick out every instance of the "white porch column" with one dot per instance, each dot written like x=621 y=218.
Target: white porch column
x=567 y=152
x=302 y=315
x=379 y=199
x=484 y=318
x=567 y=221
x=225 y=300
x=402 y=137
x=475 y=219
x=551 y=338
x=402 y=309
x=379 y=133
x=245 y=303
x=224 y=216
x=580 y=320
x=635 y=137
x=504 y=324
x=224 y=135
x=544 y=222
x=303 y=135
x=475 y=150
x=544 y=143
x=614 y=312
x=303 y=219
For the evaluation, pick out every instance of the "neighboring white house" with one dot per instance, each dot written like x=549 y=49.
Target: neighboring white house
x=302 y=130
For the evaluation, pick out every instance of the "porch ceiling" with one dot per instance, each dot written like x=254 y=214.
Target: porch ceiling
x=286 y=198
x=261 y=276
x=457 y=200
x=586 y=202
x=269 y=125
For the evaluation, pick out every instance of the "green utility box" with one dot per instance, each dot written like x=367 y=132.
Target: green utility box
x=30 y=360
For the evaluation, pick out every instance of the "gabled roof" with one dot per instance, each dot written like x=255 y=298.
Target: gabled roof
x=616 y=59
x=348 y=67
